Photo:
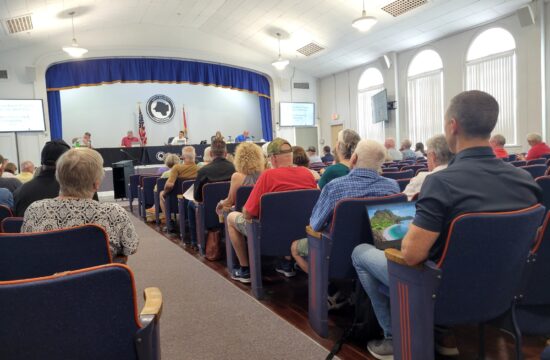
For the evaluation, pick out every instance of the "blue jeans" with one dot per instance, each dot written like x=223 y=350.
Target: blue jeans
x=192 y=222
x=372 y=269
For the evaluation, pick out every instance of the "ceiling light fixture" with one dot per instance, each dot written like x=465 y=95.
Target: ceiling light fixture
x=74 y=50
x=280 y=63
x=364 y=23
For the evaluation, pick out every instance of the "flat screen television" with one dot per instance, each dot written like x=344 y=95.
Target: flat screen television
x=379 y=103
x=21 y=115
x=296 y=114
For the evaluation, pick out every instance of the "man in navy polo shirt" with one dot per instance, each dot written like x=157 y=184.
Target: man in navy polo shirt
x=474 y=181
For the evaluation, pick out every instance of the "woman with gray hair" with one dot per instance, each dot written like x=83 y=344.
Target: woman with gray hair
x=345 y=146
x=79 y=172
x=438 y=155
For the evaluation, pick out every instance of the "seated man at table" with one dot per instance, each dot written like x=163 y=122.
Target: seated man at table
x=474 y=181
x=129 y=139
x=242 y=137
x=185 y=171
x=180 y=139
x=220 y=169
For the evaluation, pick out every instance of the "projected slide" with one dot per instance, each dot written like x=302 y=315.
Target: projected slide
x=297 y=114
x=21 y=115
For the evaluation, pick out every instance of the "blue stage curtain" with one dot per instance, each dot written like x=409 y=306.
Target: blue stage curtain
x=54 y=111
x=92 y=72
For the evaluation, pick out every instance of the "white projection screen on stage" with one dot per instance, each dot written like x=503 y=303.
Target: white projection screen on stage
x=21 y=115
x=109 y=111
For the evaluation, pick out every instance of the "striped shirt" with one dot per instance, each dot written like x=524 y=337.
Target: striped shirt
x=358 y=183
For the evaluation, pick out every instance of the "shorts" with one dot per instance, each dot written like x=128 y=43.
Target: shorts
x=301 y=247
x=240 y=224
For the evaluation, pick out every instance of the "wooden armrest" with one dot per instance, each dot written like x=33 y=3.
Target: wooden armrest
x=153 y=302
x=180 y=196
x=396 y=256
x=311 y=232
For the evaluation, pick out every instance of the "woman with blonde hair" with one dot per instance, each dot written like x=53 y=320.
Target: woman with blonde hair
x=249 y=162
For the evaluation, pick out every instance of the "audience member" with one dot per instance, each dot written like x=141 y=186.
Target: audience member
x=218 y=170
x=10 y=183
x=475 y=181
x=345 y=146
x=242 y=137
x=406 y=150
x=300 y=158
x=206 y=158
x=312 y=155
x=538 y=148
x=419 y=150
x=185 y=171
x=497 y=143
x=44 y=185
x=180 y=139
x=392 y=153
x=169 y=161
x=282 y=177
x=27 y=171
x=362 y=181
x=438 y=155
x=6 y=198
x=79 y=172
x=129 y=139
x=9 y=170
x=249 y=164
x=327 y=158
x=218 y=135
x=86 y=140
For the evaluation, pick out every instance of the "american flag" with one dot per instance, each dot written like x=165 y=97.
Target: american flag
x=185 y=122
x=141 y=126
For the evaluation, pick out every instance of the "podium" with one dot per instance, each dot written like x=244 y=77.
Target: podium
x=121 y=177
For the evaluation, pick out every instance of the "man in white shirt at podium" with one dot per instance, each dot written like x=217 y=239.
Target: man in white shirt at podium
x=180 y=139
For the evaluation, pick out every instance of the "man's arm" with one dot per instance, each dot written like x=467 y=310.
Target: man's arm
x=417 y=244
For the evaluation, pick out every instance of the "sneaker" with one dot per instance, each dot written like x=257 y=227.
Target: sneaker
x=445 y=343
x=241 y=275
x=381 y=349
x=286 y=268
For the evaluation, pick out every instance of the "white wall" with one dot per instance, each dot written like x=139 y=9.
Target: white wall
x=338 y=93
x=109 y=111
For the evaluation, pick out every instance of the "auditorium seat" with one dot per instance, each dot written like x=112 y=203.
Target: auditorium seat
x=407 y=174
x=160 y=182
x=146 y=194
x=545 y=354
x=267 y=236
x=541 y=161
x=329 y=252
x=414 y=168
x=535 y=170
x=87 y=314
x=518 y=163
x=182 y=206
x=28 y=255
x=512 y=157
x=544 y=183
x=5 y=212
x=171 y=202
x=390 y=169
x=243 y=193
x=474 y=282
x=317 y=166
x=133 y=190
x=11 y=224
x=206 y=217
x=403 y=183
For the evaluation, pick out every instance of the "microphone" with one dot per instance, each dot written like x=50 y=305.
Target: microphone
x=136 y=161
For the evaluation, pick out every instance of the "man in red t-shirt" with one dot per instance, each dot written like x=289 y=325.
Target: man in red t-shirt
x=497 y=142
x=283 y=176
x=538 y=147
x=129 y=139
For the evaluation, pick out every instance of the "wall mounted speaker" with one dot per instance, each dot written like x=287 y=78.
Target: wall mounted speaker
x=525 y=16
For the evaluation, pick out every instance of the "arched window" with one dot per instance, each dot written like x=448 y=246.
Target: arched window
x=491 y=67
x=425 y=96
x=370 y=83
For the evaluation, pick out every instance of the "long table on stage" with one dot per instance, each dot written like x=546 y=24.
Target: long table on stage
x=150 y=155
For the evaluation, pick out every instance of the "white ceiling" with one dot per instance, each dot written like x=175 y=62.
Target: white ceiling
x=244 y=28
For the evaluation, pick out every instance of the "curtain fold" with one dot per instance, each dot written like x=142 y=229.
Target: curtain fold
x=425 y=106
x=94 y=72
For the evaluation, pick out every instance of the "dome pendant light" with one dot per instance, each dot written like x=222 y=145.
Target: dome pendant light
x=280 y=64
x=74 y=50
x=364 y=23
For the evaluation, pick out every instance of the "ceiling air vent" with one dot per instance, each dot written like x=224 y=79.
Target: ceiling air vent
x=400 y=7
x=310 y=49
x=3 y=74
x=301 y=85
x=19 y=24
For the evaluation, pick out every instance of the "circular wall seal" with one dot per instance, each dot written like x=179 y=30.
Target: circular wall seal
x=160 y=108
x=160 y=156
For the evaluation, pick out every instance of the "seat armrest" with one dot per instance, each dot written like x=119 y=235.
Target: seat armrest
x=153 y=302
x=313 y=233
x=147 y=338
x=396 y=256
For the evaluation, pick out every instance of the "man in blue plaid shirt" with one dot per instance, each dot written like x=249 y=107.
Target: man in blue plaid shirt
x=362 y=181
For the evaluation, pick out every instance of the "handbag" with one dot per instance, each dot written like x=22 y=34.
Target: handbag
x=214 y=245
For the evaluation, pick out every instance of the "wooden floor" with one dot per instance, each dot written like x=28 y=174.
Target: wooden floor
x=287 y=297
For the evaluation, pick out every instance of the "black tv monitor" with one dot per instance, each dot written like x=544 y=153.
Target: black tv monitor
x=379 y=103
x=296 y=114
x=22 y=115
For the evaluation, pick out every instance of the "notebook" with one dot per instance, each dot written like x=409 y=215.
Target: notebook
x=390 y=222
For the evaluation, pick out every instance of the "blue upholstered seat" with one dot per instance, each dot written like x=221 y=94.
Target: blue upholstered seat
x=11 y=225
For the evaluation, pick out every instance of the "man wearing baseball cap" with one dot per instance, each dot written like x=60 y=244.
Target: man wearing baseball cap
x=283 y=176
x=44 y=185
